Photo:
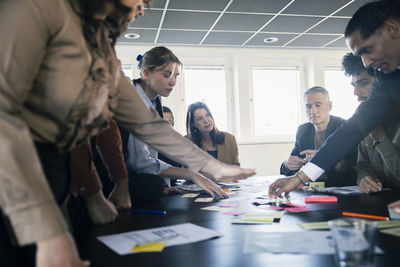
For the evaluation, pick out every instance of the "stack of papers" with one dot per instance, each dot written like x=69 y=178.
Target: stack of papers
x=344 y=190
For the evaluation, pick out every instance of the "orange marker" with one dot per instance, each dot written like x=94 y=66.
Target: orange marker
x=365 y=216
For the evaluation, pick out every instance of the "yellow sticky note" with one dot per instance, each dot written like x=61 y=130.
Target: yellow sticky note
x=316 y=185
x=152 y=247
x=314 y=226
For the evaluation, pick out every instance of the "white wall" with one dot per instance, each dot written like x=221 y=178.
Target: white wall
x=265 y=155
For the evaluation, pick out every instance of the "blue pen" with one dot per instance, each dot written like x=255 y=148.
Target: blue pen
x=163 y=212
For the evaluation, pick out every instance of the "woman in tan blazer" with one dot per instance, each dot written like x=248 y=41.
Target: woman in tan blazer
x=201 y=130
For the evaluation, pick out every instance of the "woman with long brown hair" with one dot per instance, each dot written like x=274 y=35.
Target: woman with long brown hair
x=201 y=130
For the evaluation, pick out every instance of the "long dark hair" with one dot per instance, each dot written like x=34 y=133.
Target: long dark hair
x=156 y=58
x=194 y=135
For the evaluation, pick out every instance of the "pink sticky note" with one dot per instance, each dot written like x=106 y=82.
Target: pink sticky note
x=228 y=205
x=294 y=210
x=321 y=199
x=234 y=212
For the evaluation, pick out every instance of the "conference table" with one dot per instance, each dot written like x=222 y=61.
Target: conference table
x=228 y=250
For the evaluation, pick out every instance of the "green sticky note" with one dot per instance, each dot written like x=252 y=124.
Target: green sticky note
x=391 y=231
x=388 y=224
x=314 y=226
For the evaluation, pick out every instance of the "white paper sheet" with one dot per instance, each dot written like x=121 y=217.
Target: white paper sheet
x=305 y=242
x=179 y=234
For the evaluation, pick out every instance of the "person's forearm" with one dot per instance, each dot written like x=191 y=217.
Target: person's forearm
x=367 y=116
x=176 y=173
x=25 y=195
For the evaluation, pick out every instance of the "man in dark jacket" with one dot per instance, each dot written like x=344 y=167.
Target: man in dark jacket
x=311 y=135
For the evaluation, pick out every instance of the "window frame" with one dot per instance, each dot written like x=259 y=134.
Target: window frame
x=209 y=62
x=268 y=63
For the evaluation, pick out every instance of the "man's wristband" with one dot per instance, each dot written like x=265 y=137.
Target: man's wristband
x=298 y=175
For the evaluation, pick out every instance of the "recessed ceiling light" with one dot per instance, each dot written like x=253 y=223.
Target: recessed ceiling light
x=269 y=40
x=132 y=36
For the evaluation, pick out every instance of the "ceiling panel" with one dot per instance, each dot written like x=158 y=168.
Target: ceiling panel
x=311 y=40
x=314 y=7
x=352 y=8
x=338 y=43
x=189 y=20
x=258 y=40
x=181 y=37
x=293 y=24
x=241 y=22
x=234 y=22
x=257 y=6
x=330 y=25
x=151 y=20
x=212 y=5
x=227 y=38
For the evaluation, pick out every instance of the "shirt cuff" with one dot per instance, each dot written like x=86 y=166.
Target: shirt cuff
x=312 y=171
x=38 y=223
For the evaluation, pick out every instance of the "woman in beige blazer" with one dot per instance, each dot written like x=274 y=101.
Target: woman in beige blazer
x=201 y=130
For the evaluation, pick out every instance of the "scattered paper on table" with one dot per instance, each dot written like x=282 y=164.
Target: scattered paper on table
x=234 y=212
x=318 y=242
x=179 y=234
x=230 y=205
x=391 y=231
x=216 y=208
x=233 y=199
x=204 y=199
x=343 y=190
x=264 y=215
x=388 y=224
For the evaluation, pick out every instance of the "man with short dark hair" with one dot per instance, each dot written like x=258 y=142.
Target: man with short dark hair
x=379 y=152
x=311 y=135
x=374 y=34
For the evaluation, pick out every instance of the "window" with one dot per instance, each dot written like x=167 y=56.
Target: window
x=127 y=69
x=275 y=100
x=341 y=93
x=207 y=83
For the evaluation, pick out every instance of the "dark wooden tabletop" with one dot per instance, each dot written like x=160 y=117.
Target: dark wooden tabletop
x=228 y=249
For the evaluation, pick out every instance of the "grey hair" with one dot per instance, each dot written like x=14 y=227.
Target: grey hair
x=318 y=89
